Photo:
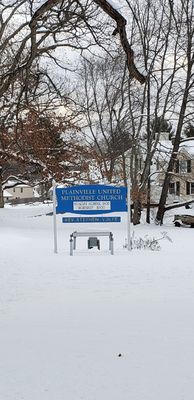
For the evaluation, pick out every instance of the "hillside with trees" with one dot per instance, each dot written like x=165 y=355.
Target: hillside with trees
x=91 y=86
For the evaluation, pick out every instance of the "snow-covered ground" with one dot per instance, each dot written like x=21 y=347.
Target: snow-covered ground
x=65 y=320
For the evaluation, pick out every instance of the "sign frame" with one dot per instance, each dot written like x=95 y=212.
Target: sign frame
x=122 y=193
x=91 y=199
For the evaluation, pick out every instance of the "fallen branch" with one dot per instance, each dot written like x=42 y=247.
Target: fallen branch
x=177 y=205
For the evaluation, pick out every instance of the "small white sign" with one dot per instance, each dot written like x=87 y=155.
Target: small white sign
x=91 y=205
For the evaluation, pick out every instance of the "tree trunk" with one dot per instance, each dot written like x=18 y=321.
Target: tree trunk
x=1 y=194
x=136 y=212
x=163 y=197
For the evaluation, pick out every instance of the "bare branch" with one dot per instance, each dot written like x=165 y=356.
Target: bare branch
x=121 y=30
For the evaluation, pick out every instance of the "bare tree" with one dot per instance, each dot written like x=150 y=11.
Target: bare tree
x=44 y=27
x=150 y=34
x=158 y=30
x=31 y=32
x=103 y=100
x=183 y=19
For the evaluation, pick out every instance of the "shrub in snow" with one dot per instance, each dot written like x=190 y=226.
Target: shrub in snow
x=147 y=242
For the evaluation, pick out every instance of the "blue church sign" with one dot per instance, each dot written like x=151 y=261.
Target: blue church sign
x=91 y=199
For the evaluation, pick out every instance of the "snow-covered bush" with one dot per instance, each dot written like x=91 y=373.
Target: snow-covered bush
x=147 y=242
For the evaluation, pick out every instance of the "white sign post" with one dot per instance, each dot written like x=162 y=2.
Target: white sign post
x=129 y=215
x=89 y=200
x=54 y=216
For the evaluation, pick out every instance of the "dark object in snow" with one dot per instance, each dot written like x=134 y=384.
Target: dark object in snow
x=91 y=235
x=93 y=242
x=119 y=355
x=184 y=220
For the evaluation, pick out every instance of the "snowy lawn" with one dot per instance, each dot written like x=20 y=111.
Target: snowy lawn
x=65 y=320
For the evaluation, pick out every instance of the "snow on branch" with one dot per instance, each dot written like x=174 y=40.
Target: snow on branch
x=177 y=205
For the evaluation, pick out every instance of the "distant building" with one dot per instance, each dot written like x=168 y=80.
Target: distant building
x=7 y=196
x=14 y=188
x=182 y=184
x=181 y=187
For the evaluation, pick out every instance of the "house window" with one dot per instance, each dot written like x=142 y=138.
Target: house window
x=174 y=188
x=178 y=188
x=14 y=189
x=190 y=188
x=183 y=166
x=21 y=190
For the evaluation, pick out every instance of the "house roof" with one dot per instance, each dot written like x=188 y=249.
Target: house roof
x=188 y=146
x=24 y=185
x=14 y=181
x=164 y=148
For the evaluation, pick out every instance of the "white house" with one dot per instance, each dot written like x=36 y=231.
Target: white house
x=18 y=189
x=181 y=187
x=7 y=196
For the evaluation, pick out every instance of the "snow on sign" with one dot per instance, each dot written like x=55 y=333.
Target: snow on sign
x=91 y=199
